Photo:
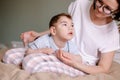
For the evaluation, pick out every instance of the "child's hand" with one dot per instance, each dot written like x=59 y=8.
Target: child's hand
x=47 y=50
x=29 y=51
x=42 y=50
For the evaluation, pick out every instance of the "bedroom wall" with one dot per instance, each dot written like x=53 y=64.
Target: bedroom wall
x=0 y=16
x=17 y=16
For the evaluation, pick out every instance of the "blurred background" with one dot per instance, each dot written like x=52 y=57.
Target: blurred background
x=17 y=16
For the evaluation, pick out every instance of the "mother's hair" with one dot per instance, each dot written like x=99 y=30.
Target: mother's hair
x=116 y=16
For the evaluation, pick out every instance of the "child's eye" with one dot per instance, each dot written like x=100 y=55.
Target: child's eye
x=64 y=24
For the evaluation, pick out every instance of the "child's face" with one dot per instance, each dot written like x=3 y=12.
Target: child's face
x=64 y=29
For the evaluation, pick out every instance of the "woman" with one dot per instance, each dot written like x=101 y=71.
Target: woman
x=96 y=34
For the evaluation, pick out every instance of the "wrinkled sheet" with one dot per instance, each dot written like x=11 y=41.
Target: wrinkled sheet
x=12 y=72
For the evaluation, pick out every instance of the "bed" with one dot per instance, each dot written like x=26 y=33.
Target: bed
x=12 y=72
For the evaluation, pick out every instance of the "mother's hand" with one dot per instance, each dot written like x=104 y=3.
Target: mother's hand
x=69 y=59
x=28 y=36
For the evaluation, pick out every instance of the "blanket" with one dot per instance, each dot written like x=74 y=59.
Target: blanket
x=12 y=72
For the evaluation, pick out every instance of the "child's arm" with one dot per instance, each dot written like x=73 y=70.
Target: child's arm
x=41 y=50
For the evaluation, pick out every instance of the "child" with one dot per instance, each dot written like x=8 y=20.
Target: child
x=41 y=55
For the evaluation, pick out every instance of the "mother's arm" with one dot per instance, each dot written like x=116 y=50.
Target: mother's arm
x=30 y=36
x=103 y=66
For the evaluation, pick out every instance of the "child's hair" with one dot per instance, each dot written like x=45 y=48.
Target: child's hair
x=55 y=18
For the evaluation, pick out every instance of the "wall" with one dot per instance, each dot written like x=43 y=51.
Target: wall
x=17 y=16
x=0 y=21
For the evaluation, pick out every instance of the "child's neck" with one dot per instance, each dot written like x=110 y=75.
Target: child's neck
x=59 y=43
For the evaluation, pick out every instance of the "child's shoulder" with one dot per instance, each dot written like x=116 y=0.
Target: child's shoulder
x=44 y=37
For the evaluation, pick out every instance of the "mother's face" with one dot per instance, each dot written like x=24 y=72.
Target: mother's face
x=104 y=8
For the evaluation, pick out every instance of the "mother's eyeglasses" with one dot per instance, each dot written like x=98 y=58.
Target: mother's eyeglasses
x=106 y=9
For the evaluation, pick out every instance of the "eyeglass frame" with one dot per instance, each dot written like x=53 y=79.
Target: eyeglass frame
x=103 y=6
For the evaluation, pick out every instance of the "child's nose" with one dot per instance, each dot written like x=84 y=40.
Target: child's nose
x=70 y=27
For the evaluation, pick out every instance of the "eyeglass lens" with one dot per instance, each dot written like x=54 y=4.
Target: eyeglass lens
x=105 y=8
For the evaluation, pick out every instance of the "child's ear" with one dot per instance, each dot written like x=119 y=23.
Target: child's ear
x=52 y=30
